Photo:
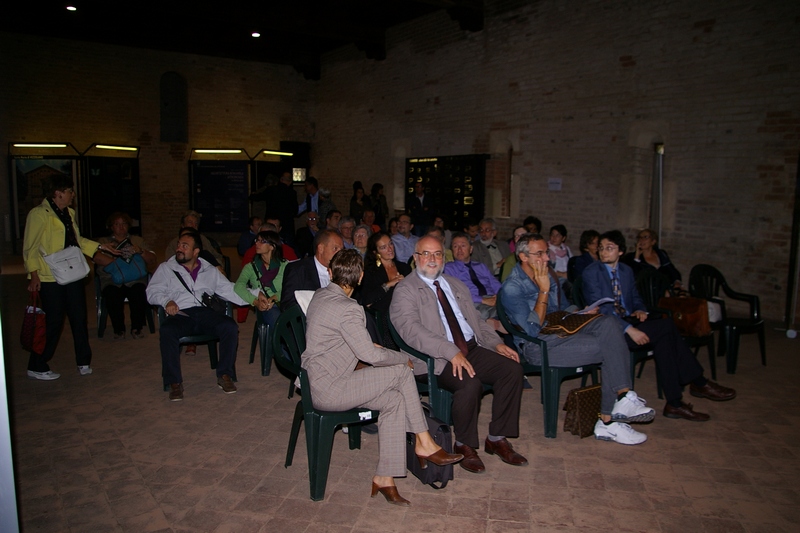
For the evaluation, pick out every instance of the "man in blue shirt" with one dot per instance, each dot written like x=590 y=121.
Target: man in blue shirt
x=482 y=285
x=404 y=241
x=676 y=364
x=528 y=295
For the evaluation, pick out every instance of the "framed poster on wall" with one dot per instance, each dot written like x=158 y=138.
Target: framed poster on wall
x=219 y=191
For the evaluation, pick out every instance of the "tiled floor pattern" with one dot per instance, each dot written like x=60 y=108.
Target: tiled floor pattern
x=108 y=452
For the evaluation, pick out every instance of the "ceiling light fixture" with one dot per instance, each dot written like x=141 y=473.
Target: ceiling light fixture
x=40 y=145
x=275 y=152
x=72 y=8
x=217 y=151
x=112 y=147
x=255 y=34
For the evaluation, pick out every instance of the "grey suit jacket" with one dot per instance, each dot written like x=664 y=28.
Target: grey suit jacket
x=481 y=253
x=415 y=314
x=336 y=339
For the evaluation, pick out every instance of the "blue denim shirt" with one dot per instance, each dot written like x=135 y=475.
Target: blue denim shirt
x=518 y=296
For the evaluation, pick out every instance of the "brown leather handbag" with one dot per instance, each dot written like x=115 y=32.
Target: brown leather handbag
x=583 y=410
x=689 y=314
x=564 y=324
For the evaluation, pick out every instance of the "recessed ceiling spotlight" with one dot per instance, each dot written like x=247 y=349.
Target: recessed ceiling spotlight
x=255 y=34
x=72 y=8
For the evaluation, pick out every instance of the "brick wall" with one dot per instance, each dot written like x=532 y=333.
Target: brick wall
x=580 y=90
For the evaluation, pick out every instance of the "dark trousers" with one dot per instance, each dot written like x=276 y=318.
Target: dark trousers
x=677 y=365
x=115 y=303
x=59 y=301
x=505 y=377
x=199 y=321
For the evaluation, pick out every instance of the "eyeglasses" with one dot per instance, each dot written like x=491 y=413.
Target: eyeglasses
x=311 y=218
x=262 y=241
x=427 y=255
x=538 y=254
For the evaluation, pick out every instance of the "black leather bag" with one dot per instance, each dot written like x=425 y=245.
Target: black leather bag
x=435 y=476
x=215 y=303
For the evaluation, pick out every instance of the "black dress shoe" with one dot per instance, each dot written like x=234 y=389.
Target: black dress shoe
x=713 y=391
x=502 y=448
x=471 y=462
x=684 y=411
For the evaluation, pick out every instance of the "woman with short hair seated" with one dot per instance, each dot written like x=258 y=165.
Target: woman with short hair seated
x=114 y=294
x=261 y=280
x=648 y=256
x=336 y=340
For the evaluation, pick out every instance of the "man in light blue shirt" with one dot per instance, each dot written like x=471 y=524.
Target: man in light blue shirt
x=404 y=241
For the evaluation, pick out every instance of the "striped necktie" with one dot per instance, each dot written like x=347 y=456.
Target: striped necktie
x=617 y=293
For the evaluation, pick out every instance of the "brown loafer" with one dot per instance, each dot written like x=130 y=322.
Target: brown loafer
x=471 y=462
x=391 y=495
x=686 y=412
x=440 y=458
x=226 y=384
x=713 y=391
x=175 y=392
x=503 y=449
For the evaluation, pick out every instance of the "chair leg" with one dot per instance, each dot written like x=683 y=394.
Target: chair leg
x=354 y=436
x=762 y=345
x=296 y=422
x=102 y=320
x=552 y=386
x=266 y=350
x=711 y=359
x=212 y=354
x=151 y=323
x=319 y=466
x=291 y=388
x=732 y=341
x=253 y=344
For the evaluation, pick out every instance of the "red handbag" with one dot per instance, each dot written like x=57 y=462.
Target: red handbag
x=34 y=332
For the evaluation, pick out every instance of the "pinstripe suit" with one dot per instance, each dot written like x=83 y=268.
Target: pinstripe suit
x=336 y=339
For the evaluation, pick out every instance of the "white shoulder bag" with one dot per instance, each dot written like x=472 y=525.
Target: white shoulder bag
x=67 y=265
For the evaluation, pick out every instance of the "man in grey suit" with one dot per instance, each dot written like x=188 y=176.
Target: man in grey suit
x=488 y=250
x=434 y=314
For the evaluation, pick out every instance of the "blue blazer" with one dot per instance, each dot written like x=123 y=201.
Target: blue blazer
x=597 y=284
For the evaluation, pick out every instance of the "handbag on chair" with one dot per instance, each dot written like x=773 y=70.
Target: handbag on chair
x=689 y=314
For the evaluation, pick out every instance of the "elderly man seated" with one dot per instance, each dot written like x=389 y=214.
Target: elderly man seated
x=433 y=313
x=529 y=294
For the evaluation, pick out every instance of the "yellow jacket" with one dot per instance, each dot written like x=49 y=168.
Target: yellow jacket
x=44 y=228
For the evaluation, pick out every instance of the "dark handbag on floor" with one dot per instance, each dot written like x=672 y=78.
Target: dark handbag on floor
x=689 y=314
x=123 y=271
x=34 y=331
x=441 y=435
x=583 y=410
x=564 y=324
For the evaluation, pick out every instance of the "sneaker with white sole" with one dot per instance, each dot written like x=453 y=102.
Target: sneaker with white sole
x=85 y=370
x=618 y=432
x=44 y=376
x=632 y=410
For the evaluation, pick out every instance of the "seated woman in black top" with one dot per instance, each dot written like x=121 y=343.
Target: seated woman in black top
x=648 y=255
x=381 y=273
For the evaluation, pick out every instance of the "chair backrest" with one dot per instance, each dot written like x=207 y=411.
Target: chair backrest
x=705 y=281
x=652 y=286
x=290 y=337
x=577 y=292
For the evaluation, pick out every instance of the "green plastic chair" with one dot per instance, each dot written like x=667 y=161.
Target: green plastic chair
x=320 y=425
x=102 y=310
x=261 y=338
x=289 y=330
x=210 y=340
x=552 y=376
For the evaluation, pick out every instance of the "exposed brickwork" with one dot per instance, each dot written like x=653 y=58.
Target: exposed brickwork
x=589 y=87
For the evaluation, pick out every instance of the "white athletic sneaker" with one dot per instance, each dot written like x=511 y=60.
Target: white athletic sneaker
x=632 y=409
x=44 y=376
x=618 y=432
x=85 y=370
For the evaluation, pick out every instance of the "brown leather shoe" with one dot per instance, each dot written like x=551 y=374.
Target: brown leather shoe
x=226 y=384
x=175 y=392
x=471 y=462
x=391 y=495
x=684 y=411
x=439 y=458
x=713 y=391
x=502 y=448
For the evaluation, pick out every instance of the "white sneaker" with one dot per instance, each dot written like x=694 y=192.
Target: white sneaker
x=44 y=376
x=618 y=432
x=85 y=370
x=632 y=409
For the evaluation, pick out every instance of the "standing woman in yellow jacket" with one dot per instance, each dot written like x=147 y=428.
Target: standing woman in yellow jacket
x=51 y=227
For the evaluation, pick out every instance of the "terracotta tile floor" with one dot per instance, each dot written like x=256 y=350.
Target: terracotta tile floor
x=108 y=452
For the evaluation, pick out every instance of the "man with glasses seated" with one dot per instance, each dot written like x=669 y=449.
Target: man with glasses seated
x=434 y=314
x=676 y=364
x=528 y=295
